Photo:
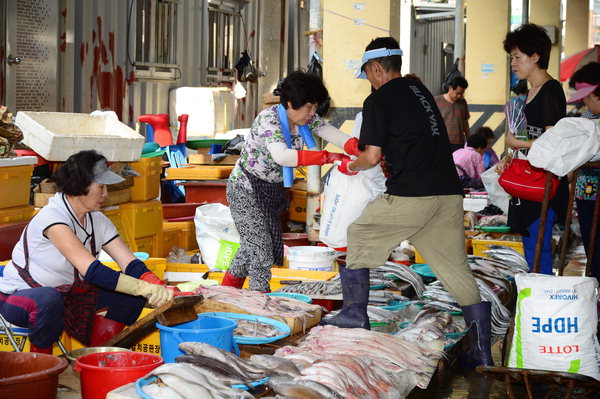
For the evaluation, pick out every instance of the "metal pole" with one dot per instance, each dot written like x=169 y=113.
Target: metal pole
x=542 y=227
x=525 y=12
x=459 y=33
x=567 y=232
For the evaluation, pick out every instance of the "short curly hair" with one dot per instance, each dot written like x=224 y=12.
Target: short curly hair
x=300 y=88
x=530 y=39
x=75 y=176
x=589 y=73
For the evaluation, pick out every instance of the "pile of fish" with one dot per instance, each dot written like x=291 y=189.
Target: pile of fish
x=314 y=288
x=509 y=256
x=373 y=364
x=247 y=328
x=431 y=324
x=260 y=304
x=404 y=273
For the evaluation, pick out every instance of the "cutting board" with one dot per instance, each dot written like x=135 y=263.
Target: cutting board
x=295 y=324
x=199 y=172
x=177 y=308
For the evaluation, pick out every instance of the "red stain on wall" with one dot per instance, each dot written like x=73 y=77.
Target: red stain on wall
x=63 y=37
x=107 y=78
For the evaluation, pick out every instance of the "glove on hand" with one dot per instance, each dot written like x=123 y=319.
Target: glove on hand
x=157 y=295
x=351 y=147
x=343 y=167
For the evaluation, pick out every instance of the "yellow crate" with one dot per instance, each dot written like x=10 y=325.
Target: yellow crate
x=119 y=219
x=297 y=211
x=5 y=345
x=145 y=218
x=187 y=236
x=15 y=182
x=482 y=245
x=171 y=238
x=156 y=266
x=16 y=214
x=147 y=186
x=117 y=197
x=152 y=245
x=151 y=342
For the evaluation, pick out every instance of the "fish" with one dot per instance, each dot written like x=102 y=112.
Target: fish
x=276 y=364
x=248 y=328
x=215 y=368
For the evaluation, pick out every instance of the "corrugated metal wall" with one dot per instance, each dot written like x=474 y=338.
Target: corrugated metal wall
x=96 y=69
x=427 y=59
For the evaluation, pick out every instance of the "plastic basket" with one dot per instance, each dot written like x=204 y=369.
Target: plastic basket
x=396 y=305
x=291 y=295
x=282 y=327
x=423 y=269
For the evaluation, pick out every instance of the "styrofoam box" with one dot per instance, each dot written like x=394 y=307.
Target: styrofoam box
x=210 y=110
x=57 y=135
x=18 y=161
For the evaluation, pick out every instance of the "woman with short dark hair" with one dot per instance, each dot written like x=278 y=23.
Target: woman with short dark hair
x=55 y=279
x=529 y=48
x=255 y=191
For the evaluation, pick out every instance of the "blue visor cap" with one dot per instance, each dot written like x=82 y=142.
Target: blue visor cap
x=377 y=53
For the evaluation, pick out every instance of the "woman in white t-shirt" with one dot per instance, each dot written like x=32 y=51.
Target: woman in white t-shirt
x=55 y=280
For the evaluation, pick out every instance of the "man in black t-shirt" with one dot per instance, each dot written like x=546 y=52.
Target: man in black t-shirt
x=422 y=203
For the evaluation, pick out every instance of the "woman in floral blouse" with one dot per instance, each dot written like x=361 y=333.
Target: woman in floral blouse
x=586 y=82
x=255 y=190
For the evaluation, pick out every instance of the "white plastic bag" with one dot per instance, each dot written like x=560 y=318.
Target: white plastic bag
x=345 y=199
x=555 y=324
x=217 y=237
x=497 y=195
x=566 y=146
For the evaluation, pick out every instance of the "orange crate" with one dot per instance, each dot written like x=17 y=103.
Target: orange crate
x=15 y=182
x=147 y=186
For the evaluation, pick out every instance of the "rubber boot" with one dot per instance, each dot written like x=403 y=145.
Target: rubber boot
x=160 y=123
x=355 y=290
x=35 y=349
x=104 y=329
x=229 y=280
x=478 y=320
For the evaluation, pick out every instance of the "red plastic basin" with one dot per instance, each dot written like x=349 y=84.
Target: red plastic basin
x=29 y=375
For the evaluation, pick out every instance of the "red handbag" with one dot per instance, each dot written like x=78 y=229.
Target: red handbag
x=522 y=180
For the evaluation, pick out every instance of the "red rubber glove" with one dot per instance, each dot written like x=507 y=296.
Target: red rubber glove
x=307 y=158
x=335 y=156
x=351 y=147
x=343 y=167
x=152 y=278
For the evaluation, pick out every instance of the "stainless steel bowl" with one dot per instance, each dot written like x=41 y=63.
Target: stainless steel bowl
x=74 y=354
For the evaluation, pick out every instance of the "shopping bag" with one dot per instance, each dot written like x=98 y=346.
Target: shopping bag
x=217 y=237
x=522 y=180
x=496 y=193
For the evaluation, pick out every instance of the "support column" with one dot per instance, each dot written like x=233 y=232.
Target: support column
x=547 y=14
x=576 y=27
x=486 y=63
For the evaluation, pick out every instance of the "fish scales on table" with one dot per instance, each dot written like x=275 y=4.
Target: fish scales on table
x=388 y=366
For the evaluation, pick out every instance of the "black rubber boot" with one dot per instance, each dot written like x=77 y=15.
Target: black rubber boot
x=355 y=289
x=478 y=320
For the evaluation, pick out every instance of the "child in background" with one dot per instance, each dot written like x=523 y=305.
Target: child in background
x=490 y=158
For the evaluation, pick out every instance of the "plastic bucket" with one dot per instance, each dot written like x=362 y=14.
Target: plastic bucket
x=216 y=331
x=311 y=258
x=100 y=373
x=29 y=375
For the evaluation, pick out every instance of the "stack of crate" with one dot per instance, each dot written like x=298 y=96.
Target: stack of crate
x=15 y=182
x=139 y=221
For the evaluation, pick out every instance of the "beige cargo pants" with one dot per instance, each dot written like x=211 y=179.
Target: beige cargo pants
x=433 y=224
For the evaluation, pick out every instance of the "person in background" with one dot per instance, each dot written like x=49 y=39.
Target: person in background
x=422 y=203
x=255 y=191
x=455 y=111
x=55 y=279
x=529 y=48
x=469 y=161
x=489 y=156
x=586 y=82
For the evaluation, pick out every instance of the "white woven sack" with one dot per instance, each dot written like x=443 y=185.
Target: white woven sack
x=566 y=146
x=217 y=237
x=555 y=324
x=345 y=199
